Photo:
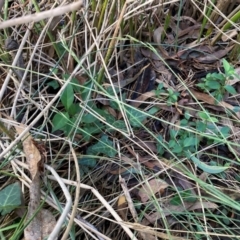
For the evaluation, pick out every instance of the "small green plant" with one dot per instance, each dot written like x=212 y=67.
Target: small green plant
x=172 y=96
x=10 y=198
x=216 y=83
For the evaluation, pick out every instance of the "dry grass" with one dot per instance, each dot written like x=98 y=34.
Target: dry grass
x=91 y=44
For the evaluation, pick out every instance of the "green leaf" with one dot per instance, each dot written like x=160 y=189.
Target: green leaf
x=203 y=115
x=10 y=198
x=60 y=48
x=104 y=146
x=86 y=92
x=54 y=84
x=119 y=124
x=88 y=162
x=153 y=110
x=67 y=96
x=201 y=126
x=187 y=115
x=190 y=141
x=160 y=145
x=89 y=118
x=177 y=149
x=227 y=67
x=208 y=169
x=213 y=84
x=201 y=85
x=225 y=131
x=172 y=143
x=230 y=89
x=59 y=121
x=185 y=196
x=184 y=122
x=206 y=116
x=74 y=109
x=91 y=129
x=135 y=116
x=219 y=76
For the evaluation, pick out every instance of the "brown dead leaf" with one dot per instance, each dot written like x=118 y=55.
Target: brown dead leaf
x=154 y=186
x=231 y=34
x=214 y=56
x=143 y=97
x=48 y=222
x=41 y=221
x=33 y=155
x=157 y=35
x=210 y=100
x=122 y=207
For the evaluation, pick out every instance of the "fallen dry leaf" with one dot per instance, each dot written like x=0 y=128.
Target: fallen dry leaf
x=154 y=186
x=214 y=56
x=122 y=207
x=41 y=221
x=210 y=100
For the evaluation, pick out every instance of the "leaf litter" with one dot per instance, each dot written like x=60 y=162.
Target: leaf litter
x=134 y=131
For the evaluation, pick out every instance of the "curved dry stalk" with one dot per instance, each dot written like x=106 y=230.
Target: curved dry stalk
x=43 y=15
x=68 y=205
x=104 y=202
x=76 y=200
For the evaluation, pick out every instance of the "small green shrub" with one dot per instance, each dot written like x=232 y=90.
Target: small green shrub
x=216 y=83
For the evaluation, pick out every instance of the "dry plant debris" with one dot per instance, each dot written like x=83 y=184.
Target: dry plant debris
x=41 y=221
x=132 y=107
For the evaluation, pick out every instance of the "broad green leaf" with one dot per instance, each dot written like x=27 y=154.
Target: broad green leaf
x=225 y=131
x=76 y=85
x=60 y=48
x=89 y=118
x=59 y=121
x=10 y=198
x=173 y=133
x=74 y=82
x=201 y=85
x=104 y=146
x=160 y=145
x=67 y=96
x=172 y=143
x=206 y=116
x=208 y=169
x=190 y=141
x=219 y=76
x=201 y=127
x=119 y=124
x=88 y=162
x=230 y=89
x=70 y=126
x=177 y=149
x=213 y=84
x=90 y=130
x=54 y=84
x=187 y=115
x=184 y=122
x=135 y=116
x=153 y=110
x=74 y=109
